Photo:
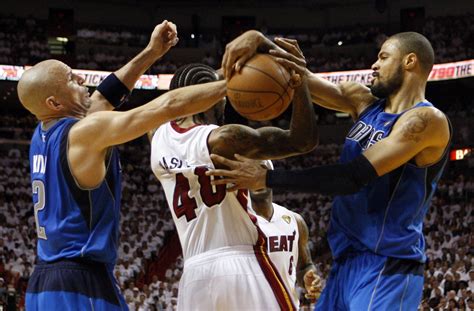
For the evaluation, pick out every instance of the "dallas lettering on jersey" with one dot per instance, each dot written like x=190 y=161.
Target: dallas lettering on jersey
x=365 y=135
x=39 y=163
x=281 y=243
x=172 y=163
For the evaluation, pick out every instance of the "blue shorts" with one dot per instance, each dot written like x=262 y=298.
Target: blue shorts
x=366 y=281
x=73 y=285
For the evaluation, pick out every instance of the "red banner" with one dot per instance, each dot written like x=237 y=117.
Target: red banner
x=459 y=154
x=448 y=71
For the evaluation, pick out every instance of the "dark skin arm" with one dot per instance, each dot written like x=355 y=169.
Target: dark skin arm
x=270 y=142
x=240 y=50
x=421 y=134
x=305 y=270
x=348 y=97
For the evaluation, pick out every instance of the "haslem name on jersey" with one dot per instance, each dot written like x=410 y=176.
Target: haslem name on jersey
x=281 y=243
x=169 y=163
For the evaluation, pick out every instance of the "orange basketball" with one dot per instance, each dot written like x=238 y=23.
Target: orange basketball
x=261 y=91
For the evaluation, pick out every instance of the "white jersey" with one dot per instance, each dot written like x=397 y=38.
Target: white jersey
x=206 y=217
x=282 y=242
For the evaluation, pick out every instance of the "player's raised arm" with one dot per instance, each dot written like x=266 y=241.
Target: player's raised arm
x=90 y=137
x=108 y=128
x=350 y=97
x=271 y=142
x=111 y=92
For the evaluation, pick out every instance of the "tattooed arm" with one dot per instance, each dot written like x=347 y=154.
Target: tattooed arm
x=421 y=134
x=270 y=142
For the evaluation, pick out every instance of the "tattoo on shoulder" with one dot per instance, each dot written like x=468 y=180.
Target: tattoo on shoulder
x=415 y=125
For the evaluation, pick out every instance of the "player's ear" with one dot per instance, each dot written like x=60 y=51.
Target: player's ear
x=53 y=104
x=410 y=60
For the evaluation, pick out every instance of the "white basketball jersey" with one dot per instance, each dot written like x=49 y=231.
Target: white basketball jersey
x=206 y=217
x=282 y=245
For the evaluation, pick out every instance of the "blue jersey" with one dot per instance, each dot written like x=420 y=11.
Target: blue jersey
x=386 y=216
x=72 y=222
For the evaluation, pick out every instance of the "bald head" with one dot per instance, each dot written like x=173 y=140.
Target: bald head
x=40 y=82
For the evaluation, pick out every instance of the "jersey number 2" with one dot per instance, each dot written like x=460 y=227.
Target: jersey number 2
x=38 y=188
x=184 y=205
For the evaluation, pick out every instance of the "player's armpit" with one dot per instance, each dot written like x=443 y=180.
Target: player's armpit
x=421 y=134
x=99 y=103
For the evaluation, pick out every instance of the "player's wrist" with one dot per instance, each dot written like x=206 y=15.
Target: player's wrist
x=153 y=53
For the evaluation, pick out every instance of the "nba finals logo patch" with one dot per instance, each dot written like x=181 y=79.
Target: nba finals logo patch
x=286 y=218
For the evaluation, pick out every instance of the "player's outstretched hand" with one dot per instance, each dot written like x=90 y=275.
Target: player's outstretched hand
x=312 y=283
x=243 y=173
x=163 y=37
x=291 y=56
x=239 y=51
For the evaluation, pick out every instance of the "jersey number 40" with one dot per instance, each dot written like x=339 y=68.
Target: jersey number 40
x=184 y=205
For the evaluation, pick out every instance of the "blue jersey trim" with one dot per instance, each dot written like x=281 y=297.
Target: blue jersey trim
x=394 y=191
x=81 y=196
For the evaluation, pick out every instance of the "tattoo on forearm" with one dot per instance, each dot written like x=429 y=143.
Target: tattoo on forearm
x=239 y=139
x=415 y=125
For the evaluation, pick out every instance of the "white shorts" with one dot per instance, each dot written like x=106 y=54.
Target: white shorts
x=228 y=278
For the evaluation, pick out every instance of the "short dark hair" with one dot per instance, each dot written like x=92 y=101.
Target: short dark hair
x=413 y=42
x=192 y=74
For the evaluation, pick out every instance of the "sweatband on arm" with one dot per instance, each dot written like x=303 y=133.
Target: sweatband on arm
x=339 y=179
x=113 y=90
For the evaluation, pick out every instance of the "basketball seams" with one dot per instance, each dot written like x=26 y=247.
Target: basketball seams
x=266 y=107
x=285 y=90
x=251 y=91
x=268 y=75
x=280 y=69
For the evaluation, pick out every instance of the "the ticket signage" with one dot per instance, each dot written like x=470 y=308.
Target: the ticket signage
x=448 y=71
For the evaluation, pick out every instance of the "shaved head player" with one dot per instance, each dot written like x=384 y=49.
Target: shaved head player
x=392 y=159
x=76 y=175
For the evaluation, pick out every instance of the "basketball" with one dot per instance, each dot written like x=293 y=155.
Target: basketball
x=261 y=91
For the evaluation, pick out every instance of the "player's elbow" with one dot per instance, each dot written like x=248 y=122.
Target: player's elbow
x=308 y=144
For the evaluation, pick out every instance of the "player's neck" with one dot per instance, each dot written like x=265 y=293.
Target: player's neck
x=405 y=98
x=186 y=123
x=263 y=209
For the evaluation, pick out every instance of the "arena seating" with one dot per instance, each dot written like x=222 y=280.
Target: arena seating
x=23 y=41
x=148 y=238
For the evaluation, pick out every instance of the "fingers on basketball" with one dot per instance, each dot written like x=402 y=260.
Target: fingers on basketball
x=262 y=89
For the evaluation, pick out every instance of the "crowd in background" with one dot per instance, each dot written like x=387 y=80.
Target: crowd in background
x=146 y=222
x=24 y=41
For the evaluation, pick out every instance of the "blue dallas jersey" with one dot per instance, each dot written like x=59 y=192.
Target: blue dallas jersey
x=72 y=222
x=386 y=216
